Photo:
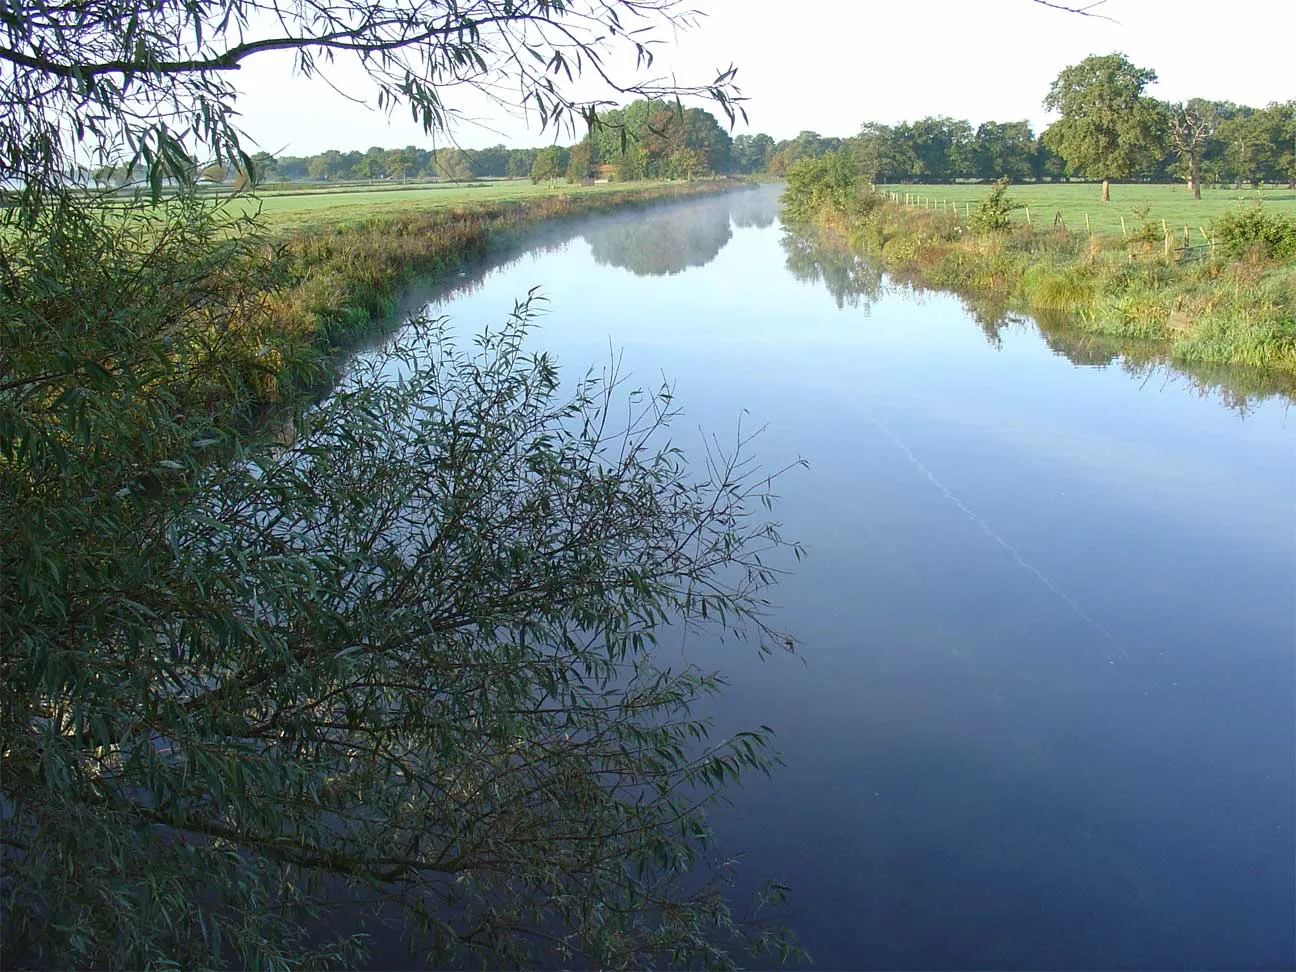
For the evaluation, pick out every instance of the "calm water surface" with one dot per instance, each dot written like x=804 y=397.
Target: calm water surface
x=1043 y=711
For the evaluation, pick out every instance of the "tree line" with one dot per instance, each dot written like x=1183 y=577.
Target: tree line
x=1108 y=129
x=647 y=139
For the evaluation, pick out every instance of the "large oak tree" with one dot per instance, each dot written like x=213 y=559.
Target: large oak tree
x=1109 y=129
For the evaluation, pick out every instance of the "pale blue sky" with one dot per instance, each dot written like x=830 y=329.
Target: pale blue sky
x=829 y=65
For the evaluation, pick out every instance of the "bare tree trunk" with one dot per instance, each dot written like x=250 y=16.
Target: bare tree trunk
x=1106 y=196
x=1194 y=177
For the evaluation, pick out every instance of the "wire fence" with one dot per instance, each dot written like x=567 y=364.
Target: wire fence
x=1181 y=248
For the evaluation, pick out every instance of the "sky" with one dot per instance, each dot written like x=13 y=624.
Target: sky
x=829 y=65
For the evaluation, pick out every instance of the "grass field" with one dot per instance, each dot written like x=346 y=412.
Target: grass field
x=1175 y=204
x=315 y=207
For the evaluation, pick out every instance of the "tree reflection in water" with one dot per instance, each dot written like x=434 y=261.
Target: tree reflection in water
x=854 y=281
x=674 y=238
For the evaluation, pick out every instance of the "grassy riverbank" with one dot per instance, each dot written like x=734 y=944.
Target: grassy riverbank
x=315 y=207
x=1206 y=304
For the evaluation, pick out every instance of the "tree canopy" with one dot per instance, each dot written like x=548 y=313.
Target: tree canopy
x=1108 y=129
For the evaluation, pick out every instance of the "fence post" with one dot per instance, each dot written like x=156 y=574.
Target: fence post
x=967 y=211
x=1088 y=228
x=1123 y=233
x=1028 y=222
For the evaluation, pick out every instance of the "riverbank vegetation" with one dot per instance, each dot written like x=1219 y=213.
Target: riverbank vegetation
x=1231 y=302
x=1222 y=290
x=265 y=698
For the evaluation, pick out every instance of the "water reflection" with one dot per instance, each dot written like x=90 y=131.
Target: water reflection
x=974 y=501
x=853 y=281
x=754 y=210
x=1238 y=388
x=665 y=242
x=675 y=238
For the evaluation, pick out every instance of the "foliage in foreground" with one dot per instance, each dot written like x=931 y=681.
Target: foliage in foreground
x=412 y=656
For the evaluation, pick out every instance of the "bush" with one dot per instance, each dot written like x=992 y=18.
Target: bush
x=827 y=186
x=1250 y=230
x=995 y=212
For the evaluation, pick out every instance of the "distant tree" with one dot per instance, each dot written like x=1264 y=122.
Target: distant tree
x=807 y=145
x=264 y=167
x=326 y=166
x=1284 y=162
x=1191 y=125
x=905 y=164
x=651 y=133
x=632 y=164
x=519 y=163
x=107 y=175
x=372 y=165
x=401 y=162
x=548 y=165
x=579 y=161
x=489 y=163
x=1109 y=129
x=944 y=149
x=1259 y=144
x=702 y=134
x=1046 y=163
x=212 y=173
x=453 y=163
x=685 y=163
x=872 y=149
x=292 y=167
x=751 y=152
x=1004 y=149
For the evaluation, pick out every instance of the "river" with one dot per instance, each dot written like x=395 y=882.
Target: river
x=1042 y=713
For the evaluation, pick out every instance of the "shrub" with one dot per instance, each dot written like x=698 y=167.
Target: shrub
x=995 y=212
x=826 y=186
x=1250 y=230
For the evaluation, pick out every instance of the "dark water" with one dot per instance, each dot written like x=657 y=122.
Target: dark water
x=1043 y=713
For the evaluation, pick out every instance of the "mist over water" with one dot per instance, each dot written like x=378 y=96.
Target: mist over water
x=1042 y=715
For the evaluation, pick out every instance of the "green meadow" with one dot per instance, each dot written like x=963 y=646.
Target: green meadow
x=1135 y=202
